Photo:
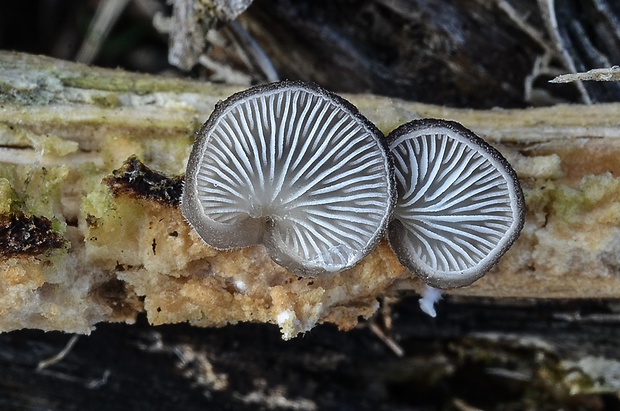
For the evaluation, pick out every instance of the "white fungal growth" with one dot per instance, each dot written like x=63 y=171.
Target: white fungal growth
x=296 y=168
x=430 y=297
x=284 y=316
x=460 y=206
x=241 y=286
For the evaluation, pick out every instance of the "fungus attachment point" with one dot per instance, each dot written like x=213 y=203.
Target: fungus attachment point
x=296 y=168
x=460 y=205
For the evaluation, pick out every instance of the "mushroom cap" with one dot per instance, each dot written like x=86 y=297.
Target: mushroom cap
x=460 y=206
x=296 y=168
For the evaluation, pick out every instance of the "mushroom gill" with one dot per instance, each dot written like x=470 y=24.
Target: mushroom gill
x=460 y=205
x=296 y=168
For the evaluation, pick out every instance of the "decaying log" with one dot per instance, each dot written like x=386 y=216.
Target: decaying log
x=472 y=356
x=89 y=157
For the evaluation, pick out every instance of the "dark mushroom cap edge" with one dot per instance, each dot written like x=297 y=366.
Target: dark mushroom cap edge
x=395 y=228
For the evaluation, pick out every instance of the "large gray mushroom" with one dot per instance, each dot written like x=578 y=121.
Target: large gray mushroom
x=296 y=168
x=460 y=205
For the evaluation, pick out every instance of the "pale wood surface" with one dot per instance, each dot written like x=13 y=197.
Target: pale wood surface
x=566 y=157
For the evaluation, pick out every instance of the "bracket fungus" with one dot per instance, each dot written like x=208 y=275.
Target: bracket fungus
x=460 y=205
x=296 y=168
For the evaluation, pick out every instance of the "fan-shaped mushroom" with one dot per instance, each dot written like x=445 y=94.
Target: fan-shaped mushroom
x=296 y=168
x=460 y=205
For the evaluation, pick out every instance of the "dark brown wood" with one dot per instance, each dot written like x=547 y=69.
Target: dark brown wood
x=460 y=53
x=475 y=352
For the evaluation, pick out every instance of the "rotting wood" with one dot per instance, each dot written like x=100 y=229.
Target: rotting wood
x=63 y=127
x=537 y=355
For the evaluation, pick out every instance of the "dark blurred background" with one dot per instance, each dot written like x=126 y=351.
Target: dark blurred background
x=463 y=53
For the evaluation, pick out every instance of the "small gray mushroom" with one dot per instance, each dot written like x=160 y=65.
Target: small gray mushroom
x=296 y=168
x=460 y=206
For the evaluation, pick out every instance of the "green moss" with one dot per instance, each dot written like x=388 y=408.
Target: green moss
x=13 y=136
x=594 y=192
x=568 y=203
x=98 y=203
x=112 y=226
x=8 y=197
x=53 y=145
x=43 y=191
x=594 y=195
x=50 y=81
x=37 y=191
x=108 y=100
x=130 y=82
x=539 y=195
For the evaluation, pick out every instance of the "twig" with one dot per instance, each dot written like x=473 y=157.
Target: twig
x=43 y=364
x=392 y=345
x=106 y=16
x=260 y=57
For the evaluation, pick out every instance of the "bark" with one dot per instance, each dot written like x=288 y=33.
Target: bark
x=474 y=355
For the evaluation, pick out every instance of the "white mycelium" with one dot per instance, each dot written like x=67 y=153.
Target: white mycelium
x=293 y=167
x=460 y=206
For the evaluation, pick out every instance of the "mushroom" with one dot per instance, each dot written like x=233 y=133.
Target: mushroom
x=460 y=205
x=296 y=168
